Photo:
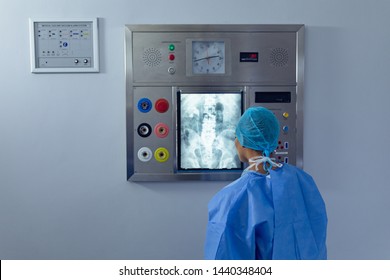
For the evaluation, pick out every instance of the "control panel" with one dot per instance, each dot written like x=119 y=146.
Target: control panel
x=64 y=46
x=188 y=85
x=282 y=102
x=154 y=133
x=214 y=58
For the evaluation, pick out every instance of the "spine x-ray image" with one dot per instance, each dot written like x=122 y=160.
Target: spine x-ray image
x=207 y=130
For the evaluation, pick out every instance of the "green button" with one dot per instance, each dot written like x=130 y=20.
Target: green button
x=171 y=47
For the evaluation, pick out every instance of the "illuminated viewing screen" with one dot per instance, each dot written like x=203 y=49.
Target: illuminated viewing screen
x=207 y=123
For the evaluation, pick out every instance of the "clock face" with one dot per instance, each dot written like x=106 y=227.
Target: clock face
x=208 y=57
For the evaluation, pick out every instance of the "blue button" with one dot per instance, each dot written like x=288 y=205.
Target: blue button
x=285 y=128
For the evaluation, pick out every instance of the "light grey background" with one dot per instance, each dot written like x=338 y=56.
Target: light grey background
x=63 y=188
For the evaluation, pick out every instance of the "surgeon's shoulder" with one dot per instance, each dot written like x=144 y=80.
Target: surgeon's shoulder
x=228 y=199
x=238 y=185
x=233 y=191
x=246 y=182
x=291 y=169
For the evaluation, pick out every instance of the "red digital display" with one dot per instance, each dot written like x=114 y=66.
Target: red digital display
x=249 y=57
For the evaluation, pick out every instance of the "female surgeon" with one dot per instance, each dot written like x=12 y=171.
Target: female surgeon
x=272 y=211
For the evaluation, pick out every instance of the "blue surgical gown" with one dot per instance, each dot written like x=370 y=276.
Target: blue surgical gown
x=279 y=216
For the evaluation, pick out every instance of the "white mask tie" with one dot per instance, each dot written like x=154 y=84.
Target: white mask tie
x=268 y=163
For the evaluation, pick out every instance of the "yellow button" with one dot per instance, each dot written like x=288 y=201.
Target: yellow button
x=285 y=115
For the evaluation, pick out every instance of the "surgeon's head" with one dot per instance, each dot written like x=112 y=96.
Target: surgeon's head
x=257 y=129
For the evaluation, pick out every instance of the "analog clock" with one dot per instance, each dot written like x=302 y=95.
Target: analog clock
x=208 y=57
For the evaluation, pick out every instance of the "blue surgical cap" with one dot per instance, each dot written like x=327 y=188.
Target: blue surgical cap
x=258 y=129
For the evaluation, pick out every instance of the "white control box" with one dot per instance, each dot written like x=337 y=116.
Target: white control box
x=60 y=46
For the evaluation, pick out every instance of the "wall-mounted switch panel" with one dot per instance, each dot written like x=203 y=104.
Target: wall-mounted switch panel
x=60 y=46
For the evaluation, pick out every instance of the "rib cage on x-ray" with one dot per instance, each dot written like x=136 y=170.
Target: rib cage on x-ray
x=207 y=130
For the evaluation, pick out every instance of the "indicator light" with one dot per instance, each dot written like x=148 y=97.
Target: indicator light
x=171 y=57
x=171 y=47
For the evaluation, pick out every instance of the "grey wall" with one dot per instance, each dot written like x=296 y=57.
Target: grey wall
x=63 y=188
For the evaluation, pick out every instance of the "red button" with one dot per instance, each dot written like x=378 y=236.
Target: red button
x=171 y=57
x=162 y=105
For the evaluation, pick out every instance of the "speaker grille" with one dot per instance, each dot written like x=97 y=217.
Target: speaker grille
x=279 y=57
x=152 y=57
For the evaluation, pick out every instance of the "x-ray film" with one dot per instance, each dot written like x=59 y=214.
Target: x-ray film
x=207 y=130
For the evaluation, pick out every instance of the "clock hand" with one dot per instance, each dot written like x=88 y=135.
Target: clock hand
x=207 y=57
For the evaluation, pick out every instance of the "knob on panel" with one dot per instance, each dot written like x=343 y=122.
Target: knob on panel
x=145 y=154
x=162 y=105
x=161 y=130
x=144 y=130
x=161 y=154
x=144 y=105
